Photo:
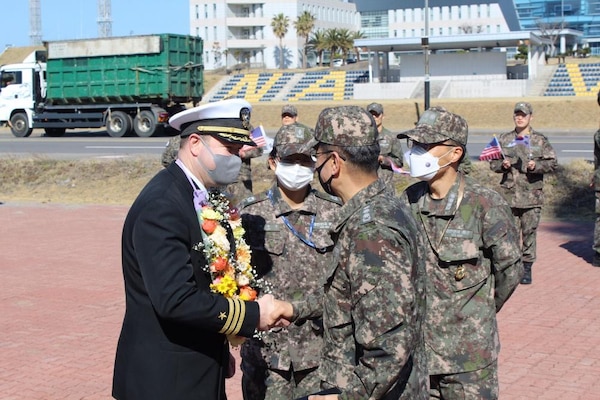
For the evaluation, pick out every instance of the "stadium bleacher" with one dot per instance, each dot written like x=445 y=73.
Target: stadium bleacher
x=575 y=80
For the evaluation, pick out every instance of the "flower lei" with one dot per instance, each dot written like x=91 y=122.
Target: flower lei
x=224 y=247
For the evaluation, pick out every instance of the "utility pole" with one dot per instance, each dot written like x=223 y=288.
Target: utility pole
x=104 y=19
x=35 y=22
x=425 y=44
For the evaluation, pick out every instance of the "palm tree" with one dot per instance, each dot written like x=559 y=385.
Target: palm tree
x=332 y=43
x=357 y=35
x=319 y=44
x=304 y=26
x=280 y=24
x=345 y=42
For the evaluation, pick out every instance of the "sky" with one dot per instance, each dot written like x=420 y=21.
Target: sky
x=77 y=19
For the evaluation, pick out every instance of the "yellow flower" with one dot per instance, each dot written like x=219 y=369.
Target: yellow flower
x=209 y=213
x=226 y=286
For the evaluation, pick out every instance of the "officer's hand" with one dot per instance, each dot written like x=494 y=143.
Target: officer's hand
x=326 y=397
x=506 y=164
x=531 y=165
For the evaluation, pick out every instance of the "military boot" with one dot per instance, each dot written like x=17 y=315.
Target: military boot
x=526 y=279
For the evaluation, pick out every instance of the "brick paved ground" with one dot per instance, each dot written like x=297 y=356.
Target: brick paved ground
x=61 y=304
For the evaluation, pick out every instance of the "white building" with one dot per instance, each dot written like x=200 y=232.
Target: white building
x=239 y=31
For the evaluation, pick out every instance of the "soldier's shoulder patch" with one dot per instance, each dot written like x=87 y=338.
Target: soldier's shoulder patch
x=248 y=201
x=366 y=216
x=328 y=197
x=536 y=133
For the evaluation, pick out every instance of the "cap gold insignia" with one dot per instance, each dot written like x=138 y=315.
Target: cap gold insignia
x=245 y=117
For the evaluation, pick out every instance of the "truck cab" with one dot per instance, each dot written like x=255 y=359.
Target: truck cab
x=22 y=86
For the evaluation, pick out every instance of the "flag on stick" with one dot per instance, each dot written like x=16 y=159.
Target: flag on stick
x=398 y=169
x=258 y=136
x=492 y=151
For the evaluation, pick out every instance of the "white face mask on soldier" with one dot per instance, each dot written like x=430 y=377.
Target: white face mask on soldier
x=293 y=176
x=423 y=165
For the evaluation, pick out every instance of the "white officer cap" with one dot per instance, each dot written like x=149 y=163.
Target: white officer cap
x=228 y=120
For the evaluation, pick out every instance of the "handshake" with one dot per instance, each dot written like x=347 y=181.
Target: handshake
x=274 y=313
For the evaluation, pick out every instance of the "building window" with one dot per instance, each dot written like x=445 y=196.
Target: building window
x=206 y=11
x=197 y=11
x=205 y=33
x=449 y=30
x=214 y=11
x=214 y=33
x=441 y=31
x=498 y=29
x=198 y=31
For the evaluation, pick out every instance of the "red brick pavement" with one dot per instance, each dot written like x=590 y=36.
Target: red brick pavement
x=61 y=306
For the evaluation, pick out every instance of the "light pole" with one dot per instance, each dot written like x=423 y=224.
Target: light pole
x=425 y=44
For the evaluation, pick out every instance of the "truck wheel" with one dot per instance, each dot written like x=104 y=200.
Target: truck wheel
x=144 y=124
x=19 y=125
x=119 y=124
x=55 y=132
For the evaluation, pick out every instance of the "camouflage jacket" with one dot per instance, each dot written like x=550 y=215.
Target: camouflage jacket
x=292 y=268
x=597 y=160
x=391 y=148
x=523 y=188
x=246 y=167
x=473 y=267
x=373 y=301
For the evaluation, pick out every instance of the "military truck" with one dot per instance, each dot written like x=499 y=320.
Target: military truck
x=127 y=84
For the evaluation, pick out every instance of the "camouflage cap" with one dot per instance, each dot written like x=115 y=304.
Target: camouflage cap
x=291 y=139
x=289 y=109
x=523 y=107
x=375 y=107
x=345 y=126
x=438 y=125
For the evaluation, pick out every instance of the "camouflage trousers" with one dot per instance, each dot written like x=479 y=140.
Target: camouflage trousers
x=596 y=244
x=479 y=384
x=261 y=383
x=527 y=221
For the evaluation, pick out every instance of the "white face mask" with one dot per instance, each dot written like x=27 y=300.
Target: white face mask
x=423 y=165
x=293 y=176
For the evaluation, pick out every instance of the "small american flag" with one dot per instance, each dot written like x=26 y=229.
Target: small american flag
x=492 y=151
x=258 y=136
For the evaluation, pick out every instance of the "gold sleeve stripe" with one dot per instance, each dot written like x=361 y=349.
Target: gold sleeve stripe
x=235 y=317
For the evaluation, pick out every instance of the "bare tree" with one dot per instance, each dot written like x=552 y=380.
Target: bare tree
x=551 y=30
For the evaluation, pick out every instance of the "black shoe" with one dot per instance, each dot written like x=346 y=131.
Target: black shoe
x=526 y=279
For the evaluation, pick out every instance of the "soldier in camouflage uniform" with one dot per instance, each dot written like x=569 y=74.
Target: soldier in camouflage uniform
x=374 y=295
x=171 y=150
x=390 y=148
x=528 y=155
x=242 y=187
x=596 y=186
x=473 y=259
x=287 y=229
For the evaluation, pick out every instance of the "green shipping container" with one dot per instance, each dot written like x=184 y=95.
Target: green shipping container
x=152 y=68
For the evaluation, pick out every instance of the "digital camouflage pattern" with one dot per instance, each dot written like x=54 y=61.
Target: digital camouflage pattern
x=390 y=148
x=294 y=270
x=289 y=109
x=438 y=125
x=171 y=151
x=473 y=267
x=374 y=300
x=291 y=139
x=345 y=126
x=523 y=188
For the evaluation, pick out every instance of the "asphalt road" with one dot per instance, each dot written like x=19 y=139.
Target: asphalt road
x=97 y=144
